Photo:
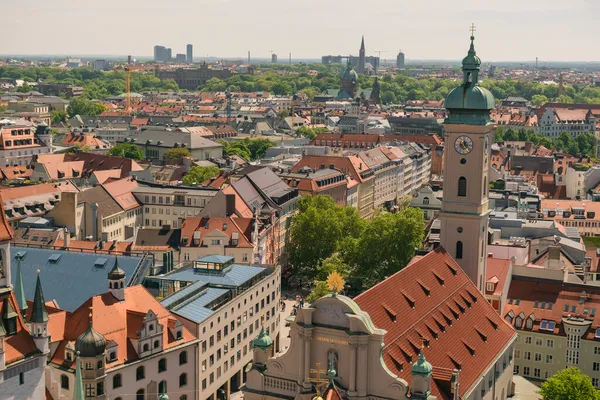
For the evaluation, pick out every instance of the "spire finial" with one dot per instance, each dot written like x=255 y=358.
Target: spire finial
x=472 y=28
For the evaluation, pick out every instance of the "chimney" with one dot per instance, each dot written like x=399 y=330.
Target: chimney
x=229 y=204
x=67 y=238
x=554 y=257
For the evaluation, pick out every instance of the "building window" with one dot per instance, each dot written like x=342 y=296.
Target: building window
x=64 y=382
x=139 y=373
x=162 y=365
x=89 y=390
x=459 y=250
x=100 y=388
x=146 y=347
x=183 y=358
x=156 y=344
x=89 y=366
x=117 y=383
x=139 y=395
x=537 y=373
x=549 y=358
x=526 y=371
x=462 y=186
x=162 y=387
x=596 y=366
x=182 y=380
x=425 y=200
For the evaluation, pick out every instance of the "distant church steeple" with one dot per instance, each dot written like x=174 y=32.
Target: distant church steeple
x=361 y=57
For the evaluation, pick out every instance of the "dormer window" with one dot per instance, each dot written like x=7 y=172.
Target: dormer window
x=69 y=356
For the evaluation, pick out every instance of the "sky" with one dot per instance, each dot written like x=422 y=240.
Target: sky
x=507 y=30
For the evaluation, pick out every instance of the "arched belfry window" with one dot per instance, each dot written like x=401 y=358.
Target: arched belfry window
x=459 y=250
x=462 y=186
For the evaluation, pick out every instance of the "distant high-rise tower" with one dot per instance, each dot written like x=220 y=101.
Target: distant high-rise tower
x=248 y=56
x=361 y=57
x=400 y=60
x=190 y=54
x=162 y=53
x=274 y=58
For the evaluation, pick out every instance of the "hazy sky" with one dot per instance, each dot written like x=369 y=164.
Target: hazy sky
x=507 y=30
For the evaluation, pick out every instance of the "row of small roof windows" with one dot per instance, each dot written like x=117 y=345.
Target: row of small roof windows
x=586 y=311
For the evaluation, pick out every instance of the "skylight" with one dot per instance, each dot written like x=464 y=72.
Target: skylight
x=54 y=258
x=100 y=262
x=597 y=333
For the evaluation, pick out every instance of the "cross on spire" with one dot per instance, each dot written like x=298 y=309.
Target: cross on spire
x=472 y=29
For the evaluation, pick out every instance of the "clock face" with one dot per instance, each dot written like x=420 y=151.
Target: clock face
x=463 y=145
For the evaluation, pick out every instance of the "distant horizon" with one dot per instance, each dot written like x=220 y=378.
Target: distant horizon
x=434 y=30
x=284 y=60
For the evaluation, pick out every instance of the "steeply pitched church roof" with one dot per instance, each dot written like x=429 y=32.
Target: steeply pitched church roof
x=433 y=300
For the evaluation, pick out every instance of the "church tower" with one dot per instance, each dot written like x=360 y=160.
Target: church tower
x=361 y=57
x=469 y=132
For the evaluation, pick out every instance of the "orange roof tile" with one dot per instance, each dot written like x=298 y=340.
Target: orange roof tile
x=118 y=321
x=451 y=315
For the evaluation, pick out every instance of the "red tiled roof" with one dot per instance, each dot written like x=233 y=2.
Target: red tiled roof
x=226 y=225
x=561 y=295
x=497 y=268
x=20 y=345
x=118 y=321
x=121 y=191
x=436 y=301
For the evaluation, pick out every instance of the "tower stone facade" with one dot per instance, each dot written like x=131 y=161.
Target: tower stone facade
x=469 y=132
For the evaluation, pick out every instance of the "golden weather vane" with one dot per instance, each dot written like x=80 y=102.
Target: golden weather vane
x=472 y=29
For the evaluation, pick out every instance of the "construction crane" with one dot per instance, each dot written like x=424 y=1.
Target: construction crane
x=128 y=68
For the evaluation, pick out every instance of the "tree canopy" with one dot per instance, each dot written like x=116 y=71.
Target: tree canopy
x=582 y=144
x=327 y=238
x=177 y=153
x=196 y=175
x=310 y=133
x=248 y=149
x=128 y=150
x=569 y=384
x=82 y=106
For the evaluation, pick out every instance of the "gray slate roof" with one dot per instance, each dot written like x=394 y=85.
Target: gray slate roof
x=73 y=278
x=234 y=276
x=193 y=302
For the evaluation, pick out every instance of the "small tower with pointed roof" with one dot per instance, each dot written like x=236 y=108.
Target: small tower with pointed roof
x=362 y=57
x=262 y=348
x=19 y=290
x=421 y=378
x=116 y=281
x=2 y=345
x=91 y=349
x=39 y=319
x=78 y=393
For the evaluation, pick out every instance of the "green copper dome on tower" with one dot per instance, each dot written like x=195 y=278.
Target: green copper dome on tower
x=422 y=366
x=470 y=103
x=349 y=73
x=262 y=341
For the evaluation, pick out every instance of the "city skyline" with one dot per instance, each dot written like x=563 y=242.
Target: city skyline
x=511 y=31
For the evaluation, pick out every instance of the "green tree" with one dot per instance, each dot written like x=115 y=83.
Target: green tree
x=306 y=132
x=59 y=116
x=569 y=384
x=388 y=97
x=538 y=99
x=79 y=148
x=128 y=150
x=81 y=106
x=258 y=147
x=498 y=135
x=196 y=175
x=239 y=148
x=511 y=135
x=316 y=232
x=320 y=289
x=587 y=144
x=334 y=263
x=563 y=98
x=177 y=153
x=386 y=246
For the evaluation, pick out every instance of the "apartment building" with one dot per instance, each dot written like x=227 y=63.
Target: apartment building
x=558 y=326
x=26 y=109
x=18 y=144
x=224 y=305
x=22 y=202
x=118 y=344
x=583 y=215
x=328 y=181
x=170 y=205
x=229 y=236
x=576 y=121
x=107 y=211
x=352 y=166
x=386 y=173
